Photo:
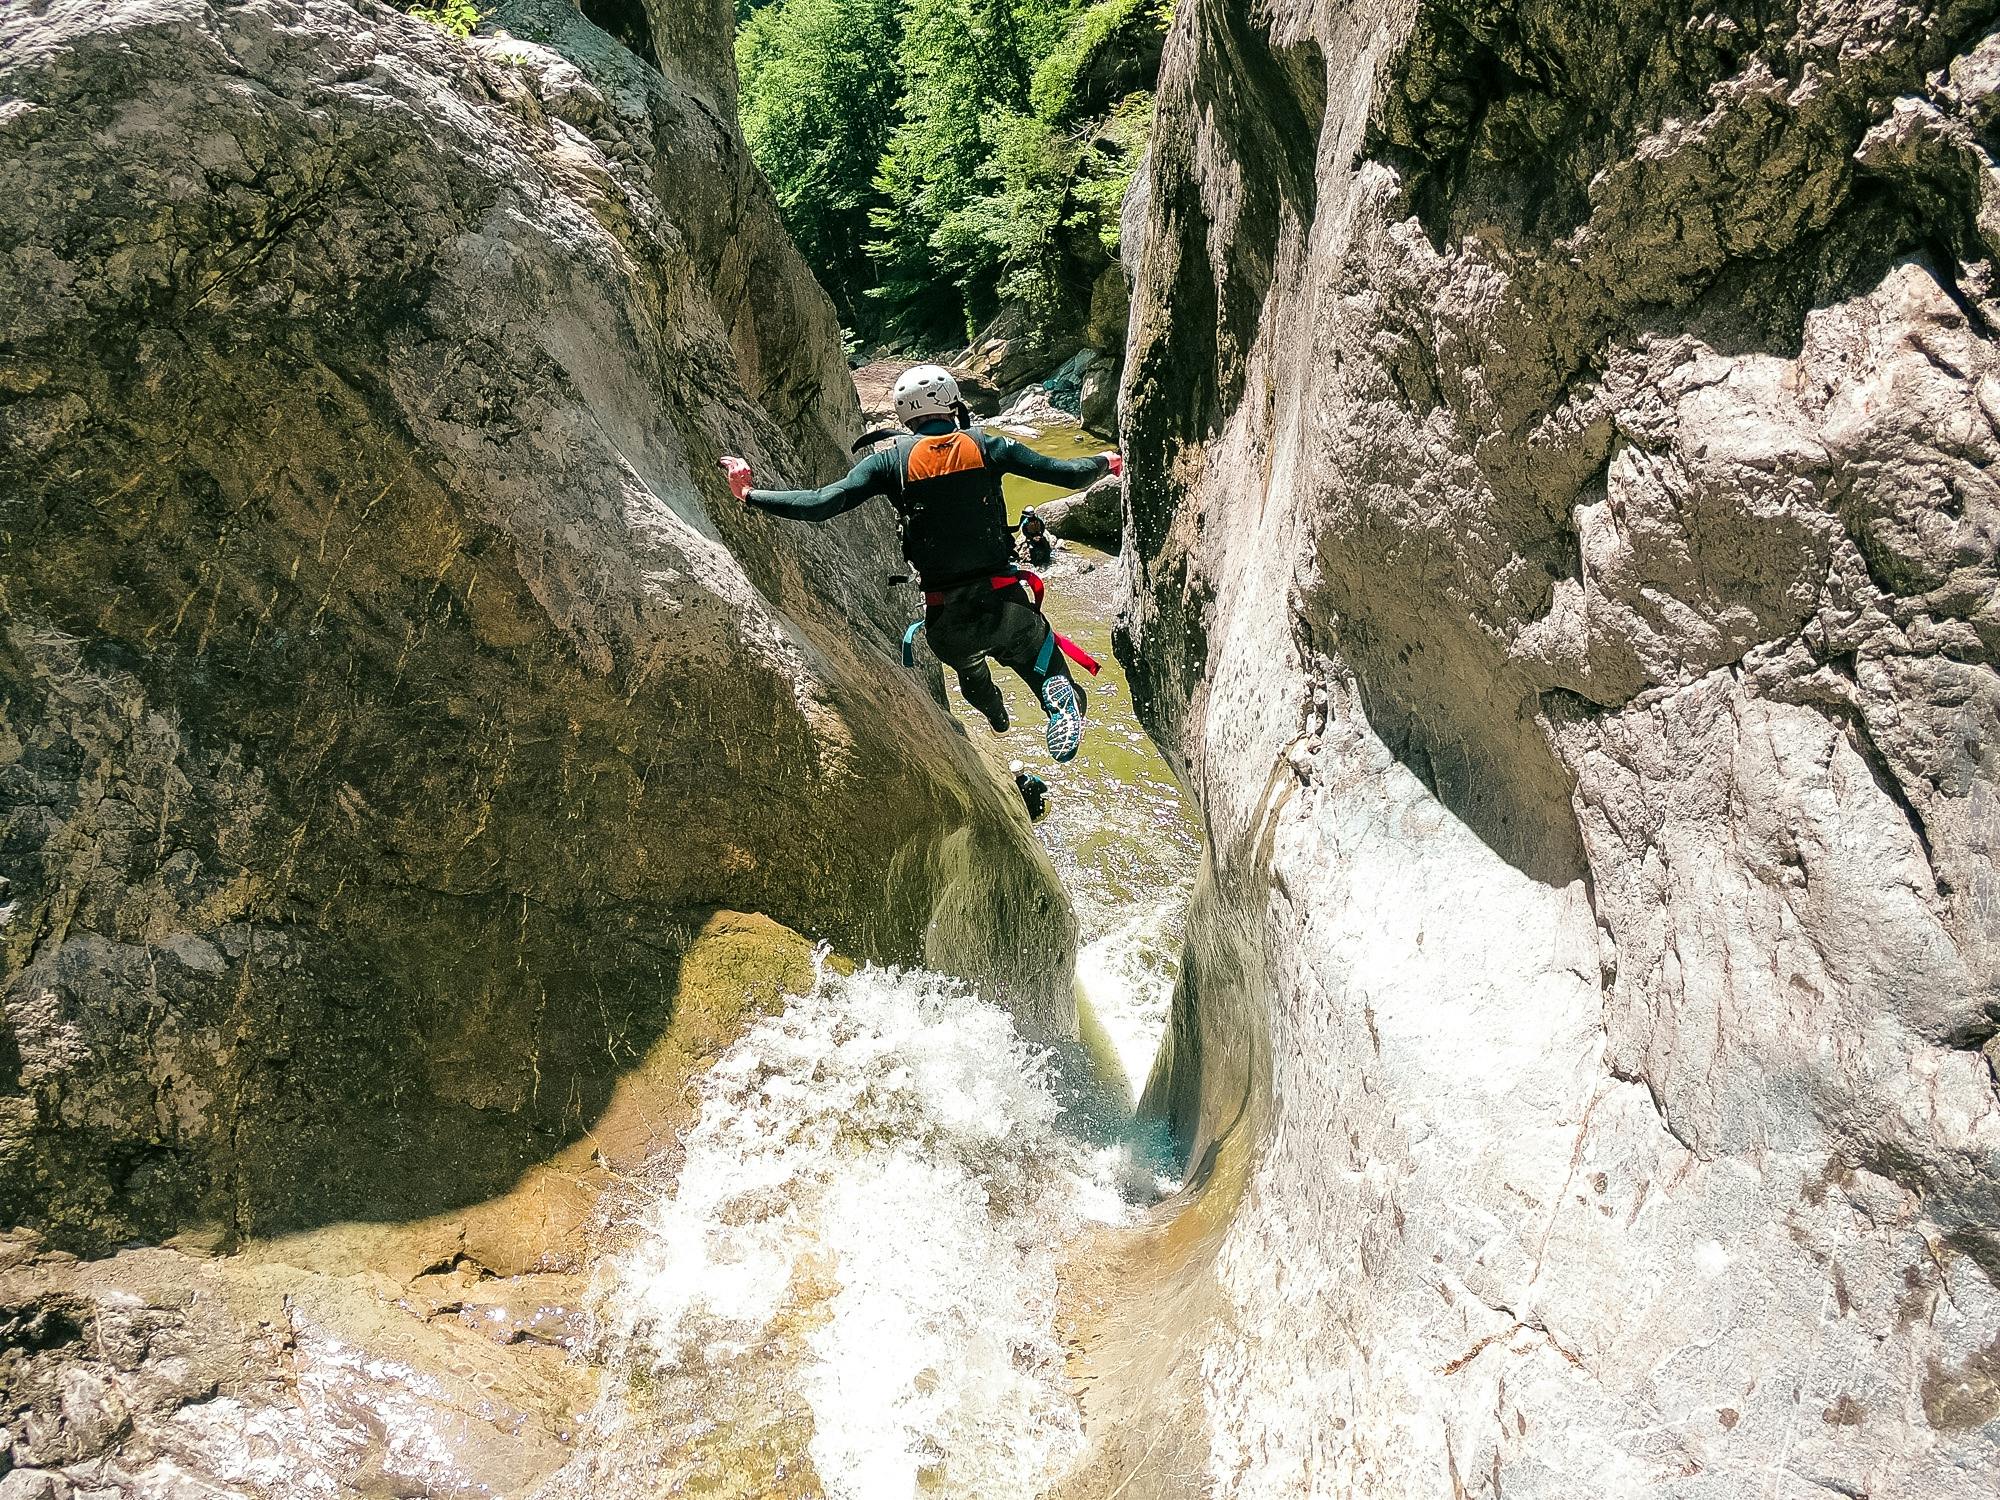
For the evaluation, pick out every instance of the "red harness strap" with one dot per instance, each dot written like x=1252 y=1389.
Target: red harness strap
x=1032 y=582
x=1077 y=654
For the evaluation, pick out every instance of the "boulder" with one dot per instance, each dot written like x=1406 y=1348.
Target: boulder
x=1562 y=485
x=1009 y=351
x=1033 y=409
x=1096 y=517
x=1097 y=401
x=390 y=690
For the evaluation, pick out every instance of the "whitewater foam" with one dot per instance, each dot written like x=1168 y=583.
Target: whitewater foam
x=1128 y=975
x=856 y=1273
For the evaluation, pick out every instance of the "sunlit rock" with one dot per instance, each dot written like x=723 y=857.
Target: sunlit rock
x=1560 y=458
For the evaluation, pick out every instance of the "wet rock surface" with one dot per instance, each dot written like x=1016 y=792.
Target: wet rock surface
x=390 y=692
x=1560 y=452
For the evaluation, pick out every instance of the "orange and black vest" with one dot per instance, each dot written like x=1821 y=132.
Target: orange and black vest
x=954 y=516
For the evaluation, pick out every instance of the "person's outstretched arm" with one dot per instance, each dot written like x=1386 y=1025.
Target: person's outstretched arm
x=1010 y=457
x=871 y=477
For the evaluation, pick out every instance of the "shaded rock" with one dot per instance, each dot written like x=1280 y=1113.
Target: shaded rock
x=1097 y=402
x=1561 y=486
x=629 y=21
x=1110 y=311
x=1096 y=517
x=1064 y=388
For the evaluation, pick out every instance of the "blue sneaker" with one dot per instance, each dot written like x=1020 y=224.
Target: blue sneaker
x=1060 y=698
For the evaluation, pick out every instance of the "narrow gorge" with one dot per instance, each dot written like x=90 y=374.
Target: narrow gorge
x=512 y=988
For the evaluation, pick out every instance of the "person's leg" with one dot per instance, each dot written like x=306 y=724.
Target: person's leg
x=983 y=693
x=1022 y=639
x=1017 y=636
x=957 y=630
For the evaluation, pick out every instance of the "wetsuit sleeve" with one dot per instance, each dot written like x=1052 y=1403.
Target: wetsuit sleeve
x=1010 y=457
x=874 y=475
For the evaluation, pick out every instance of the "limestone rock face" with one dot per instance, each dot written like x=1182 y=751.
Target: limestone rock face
x=388 y=684
x=1561 y=449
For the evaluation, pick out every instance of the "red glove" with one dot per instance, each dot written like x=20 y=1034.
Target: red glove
x=1115 y=459
x=739 y=477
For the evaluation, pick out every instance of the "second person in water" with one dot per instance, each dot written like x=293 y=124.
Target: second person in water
x=944 y=480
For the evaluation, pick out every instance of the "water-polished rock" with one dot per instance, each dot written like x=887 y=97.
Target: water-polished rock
x=389 y=688
x=1095 y=517
x=1561 y=452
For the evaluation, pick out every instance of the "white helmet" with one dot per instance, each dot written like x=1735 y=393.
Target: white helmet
x=924 y=392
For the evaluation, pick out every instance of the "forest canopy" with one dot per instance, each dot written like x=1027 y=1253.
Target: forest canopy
x=936 y=159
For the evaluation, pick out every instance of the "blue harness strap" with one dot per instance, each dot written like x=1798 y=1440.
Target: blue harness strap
x=910 y=643
x=1048 y=654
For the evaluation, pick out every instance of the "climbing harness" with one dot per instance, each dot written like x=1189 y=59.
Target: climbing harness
x=1031 y=581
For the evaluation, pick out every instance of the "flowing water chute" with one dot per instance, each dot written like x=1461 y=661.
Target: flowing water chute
x=851 y=1282
x=852 y=1286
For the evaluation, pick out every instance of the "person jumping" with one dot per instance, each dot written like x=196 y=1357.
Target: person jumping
x=944 y=480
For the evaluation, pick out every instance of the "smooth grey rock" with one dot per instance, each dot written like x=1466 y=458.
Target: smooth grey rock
x=1095 y=517
x=1031 y=408
x=1560 y=471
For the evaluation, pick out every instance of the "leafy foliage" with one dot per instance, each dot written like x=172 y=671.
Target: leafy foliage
x=936 y=157
x=819 y=91
x=459 y=18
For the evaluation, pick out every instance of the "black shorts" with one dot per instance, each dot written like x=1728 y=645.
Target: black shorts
x=979 y=621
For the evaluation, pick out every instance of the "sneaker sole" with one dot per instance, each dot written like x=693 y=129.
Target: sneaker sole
x=1065 y=732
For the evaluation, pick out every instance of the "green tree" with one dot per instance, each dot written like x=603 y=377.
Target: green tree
x=819 y=89
x=936 y=160
x=459 y=18
x=964 y=77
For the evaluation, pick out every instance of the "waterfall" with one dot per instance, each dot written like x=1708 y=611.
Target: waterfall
x=852 y=1287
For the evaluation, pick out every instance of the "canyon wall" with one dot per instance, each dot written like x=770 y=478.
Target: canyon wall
x=391 y=691
x=1562 y=537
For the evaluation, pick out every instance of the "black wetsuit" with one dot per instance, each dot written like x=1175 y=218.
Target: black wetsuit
x=954 y=524
x=1034 y=792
